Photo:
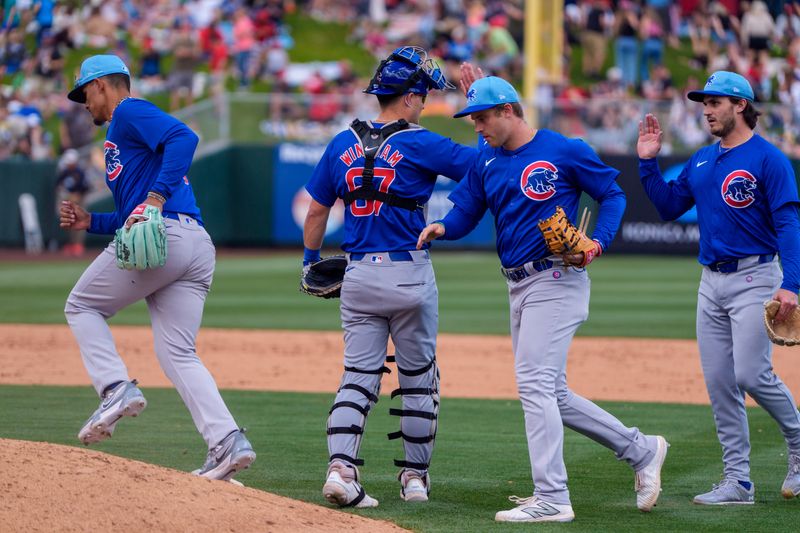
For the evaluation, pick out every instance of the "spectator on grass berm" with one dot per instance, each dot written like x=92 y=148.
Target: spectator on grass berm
x=651 y=31
x=72 y=185
x=151 y=78
x=244 y=43
x=758 y=27
x=501 y=51
x=626 y=43
x=186 y=55
x=598 y=19
x=701 y=39
x=218 y=63
x=725 y=32
x=98 y=32
x=15 y=52
x=76 y=127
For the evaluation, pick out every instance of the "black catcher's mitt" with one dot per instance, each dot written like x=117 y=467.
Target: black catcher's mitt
x=324 y=278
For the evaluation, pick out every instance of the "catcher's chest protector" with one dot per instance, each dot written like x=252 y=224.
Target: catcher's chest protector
x=372 y=139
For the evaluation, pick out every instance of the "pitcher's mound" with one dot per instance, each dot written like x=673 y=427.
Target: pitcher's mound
x=48 y=487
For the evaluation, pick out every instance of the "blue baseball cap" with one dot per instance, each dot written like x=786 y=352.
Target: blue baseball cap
x=486 y=93
x=93 y=68
x=724 y=83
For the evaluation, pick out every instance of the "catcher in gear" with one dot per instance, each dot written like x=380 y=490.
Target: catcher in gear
x=745 y=192
x=147 y=155
x=522 y=176
x=384 y=171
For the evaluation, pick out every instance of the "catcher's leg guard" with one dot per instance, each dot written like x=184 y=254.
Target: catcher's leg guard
x=419 y=389
x=347 y=418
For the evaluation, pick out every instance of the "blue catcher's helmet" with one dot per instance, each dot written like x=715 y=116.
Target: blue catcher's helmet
x=407 y=70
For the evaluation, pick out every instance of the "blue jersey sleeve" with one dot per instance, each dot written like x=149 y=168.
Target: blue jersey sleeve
x=321 y=186
x=671 y=199
x=469 y=201
x=787 y=226
x=781 y=186
x=165 y=134
x=448 y=158
x=103 y=223
x=598 y=180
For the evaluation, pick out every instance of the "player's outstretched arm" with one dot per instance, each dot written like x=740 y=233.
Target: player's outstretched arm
x=650 y=137
x=431 y=232
x=74 y=217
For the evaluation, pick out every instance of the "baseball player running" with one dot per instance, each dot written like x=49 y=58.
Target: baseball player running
x=746 y=197
x=521 y=175
x=147 y=155
x=385 y=170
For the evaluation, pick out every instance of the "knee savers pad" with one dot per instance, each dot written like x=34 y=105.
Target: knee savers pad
x=419 y=389
x=347 y=418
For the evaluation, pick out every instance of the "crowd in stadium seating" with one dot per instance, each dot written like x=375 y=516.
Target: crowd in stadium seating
x=208 y=43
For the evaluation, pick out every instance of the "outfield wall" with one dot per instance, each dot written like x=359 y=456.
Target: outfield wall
x=253 y=196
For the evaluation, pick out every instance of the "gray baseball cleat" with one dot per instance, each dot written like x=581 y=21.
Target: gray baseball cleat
x=233 y=454
x=791 y=485
x=728 y=492
x=532 y=509
x=123 y=400
x=343 y=489
x=648 y=479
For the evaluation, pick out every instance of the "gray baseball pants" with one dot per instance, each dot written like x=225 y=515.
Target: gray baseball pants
x=546 y=309
x=736 y=356
x=383 y=297
x=175 y=296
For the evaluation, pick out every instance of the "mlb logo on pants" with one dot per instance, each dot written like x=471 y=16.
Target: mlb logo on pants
x=376 y=259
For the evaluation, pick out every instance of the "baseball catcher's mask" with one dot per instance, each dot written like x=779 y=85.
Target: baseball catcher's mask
x=408 y=69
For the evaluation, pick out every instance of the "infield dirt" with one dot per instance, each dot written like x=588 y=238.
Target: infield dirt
x=47 y=487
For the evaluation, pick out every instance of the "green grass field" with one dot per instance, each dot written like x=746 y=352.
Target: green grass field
x=480 y=456
x=631 y=296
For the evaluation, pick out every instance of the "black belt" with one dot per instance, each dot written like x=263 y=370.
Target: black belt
x=728 y=267
x=394 y=256
x=522 y=272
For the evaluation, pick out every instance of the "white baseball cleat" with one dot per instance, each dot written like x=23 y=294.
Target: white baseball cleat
x=343 y=489
x=791 y=485
x=532 y=509
x=648 y=479
x=125 y=399
x=413 y=487
x=233 y=454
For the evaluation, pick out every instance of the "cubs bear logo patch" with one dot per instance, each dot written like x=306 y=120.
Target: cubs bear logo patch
x=113 y=164
x=738 y=189
x=537 y=180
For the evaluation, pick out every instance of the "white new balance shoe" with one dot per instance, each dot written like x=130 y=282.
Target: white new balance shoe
x=343 y=489
x=533 y=509
x=413 y=487
x=648 y=479
x=123 y=400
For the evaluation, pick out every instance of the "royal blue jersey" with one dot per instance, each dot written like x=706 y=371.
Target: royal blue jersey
x=407 y=165
x=146 y=150
x=523 y=186
x=736 y=192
